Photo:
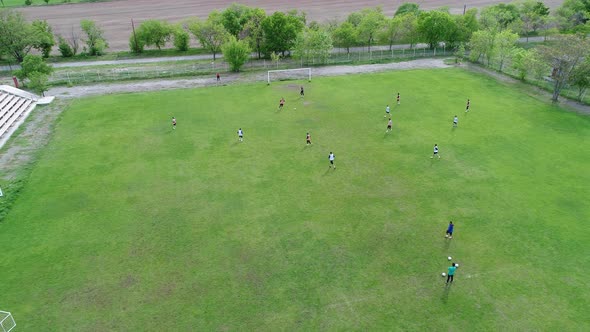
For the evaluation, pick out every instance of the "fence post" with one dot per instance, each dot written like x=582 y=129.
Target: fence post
x=435 y=51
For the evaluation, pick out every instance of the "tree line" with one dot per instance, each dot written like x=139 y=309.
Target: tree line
x=489 y=36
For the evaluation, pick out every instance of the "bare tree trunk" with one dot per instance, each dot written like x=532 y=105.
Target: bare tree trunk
x=556 y=91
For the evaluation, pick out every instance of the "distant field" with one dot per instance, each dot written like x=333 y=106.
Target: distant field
x=15 y=3
x=128 y=225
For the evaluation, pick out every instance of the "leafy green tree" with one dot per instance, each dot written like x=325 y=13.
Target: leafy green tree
x=345 y=36
x=17 y=37
x=313 y=44
x=504 y=45
x=391 y=31
x=44 y=40
x=155 y=33
x=499 y=17
x=409 y=29
x=565 y=55
x=46 y=2
x=573 y=13
x=371 y=23
x=435 y=27
x=253 y=30
x=235 y=17
x=236 y=52
x=354 y=18
x=581 y=79
x=280 y=31
x=32 y=64
x=181 y=38
x=408 y=8
x=64 y=47
x=532 y=15
x=210 y=33
x=136 y=43
x=464 y=27
x=38 y=82
x=95 y=42
x=482 y=45
x=459 y=53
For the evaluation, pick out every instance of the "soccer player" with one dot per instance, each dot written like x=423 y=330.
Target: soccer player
x=449 y=233
x=467 y=107
x=308 y=139
x=455 y=121
x=387 y=110
x=331 y=157
x=451 y=274
x=281 y=103
x=218 y=77
x=389 y=123
x=398 y=98
x=173 y=123
x=435 y=152
x=301 y=93
x=240 y=135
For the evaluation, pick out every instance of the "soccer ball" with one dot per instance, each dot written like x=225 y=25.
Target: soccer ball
x=294 y=108
x=443 y=274
x=449 y=258
x=456 y=265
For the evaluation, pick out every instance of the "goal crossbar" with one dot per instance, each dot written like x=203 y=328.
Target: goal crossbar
x=289 y=70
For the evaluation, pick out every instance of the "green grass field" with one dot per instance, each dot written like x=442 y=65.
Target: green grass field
x=128 y=225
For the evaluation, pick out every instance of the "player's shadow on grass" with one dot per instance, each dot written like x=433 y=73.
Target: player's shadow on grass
x=447 y=244
x=445 y=295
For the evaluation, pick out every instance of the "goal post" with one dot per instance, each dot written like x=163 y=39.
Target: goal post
x=289 y=74
x=6 y=321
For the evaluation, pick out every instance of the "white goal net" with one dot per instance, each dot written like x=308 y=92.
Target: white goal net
x=289 y=74
x=6 y=321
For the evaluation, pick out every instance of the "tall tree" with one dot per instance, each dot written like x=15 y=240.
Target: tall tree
x=235 y=17
x=581 y=79
x=253 y=30
x=370 y=24
x=408 y=8
x=499 y=17
x=482 y=45
x=464 y=27
x=210 y=33
x=236 y=52
x=32 y=64
x=565 y=56
x=391 y=31
x=155 y=33
x=504 y=45
x=281 y=30
x=532 y=15
x=44 y=37
x=435 y=27
x=573 y=13
x=17 y=37
x=345 y=36
x=313 y=44
x=95 y=42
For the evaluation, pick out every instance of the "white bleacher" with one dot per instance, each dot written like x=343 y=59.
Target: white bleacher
x=15 y=107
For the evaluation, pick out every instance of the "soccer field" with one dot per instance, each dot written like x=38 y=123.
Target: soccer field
x=128 y=225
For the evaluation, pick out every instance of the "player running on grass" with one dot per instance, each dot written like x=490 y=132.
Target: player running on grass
x=173 y=123
x=449 y=233
x=435 y=152
x=398 y=98
x=240 y=135
x=308 y=139
x=301 y=93
x=455 y=121
x=387 y=111
x=389 y=123
x=468 y=104
x=281 y=103
x=331 y=157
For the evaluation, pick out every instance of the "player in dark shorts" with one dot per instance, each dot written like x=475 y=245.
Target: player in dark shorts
x=449 y=233
x=435 y=152
x=308 y=139
x=467 y=107
x=398 y=98
x=302 y=94
x=173 y=123
x=331 y=157
x=389 y=123
x=281 y=103
x=455 y=121
x=218 y=77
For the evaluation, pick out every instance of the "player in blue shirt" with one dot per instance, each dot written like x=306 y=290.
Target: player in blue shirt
x=449 y=233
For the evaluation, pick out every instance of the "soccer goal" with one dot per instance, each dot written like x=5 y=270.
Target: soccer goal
x=6 y=321
x=289 y=74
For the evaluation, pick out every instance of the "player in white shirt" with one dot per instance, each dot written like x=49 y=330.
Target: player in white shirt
x=387 y=110
x=435 y=152
x=331 y=157
x=455 y=121
x=240 y=135
x=389 y=123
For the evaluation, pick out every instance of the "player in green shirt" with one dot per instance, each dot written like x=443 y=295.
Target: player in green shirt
x=451 y=274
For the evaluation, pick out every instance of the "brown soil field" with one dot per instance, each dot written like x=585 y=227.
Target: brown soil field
x=114 y=17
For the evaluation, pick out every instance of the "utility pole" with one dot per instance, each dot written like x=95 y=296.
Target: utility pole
x=464 y=8
x=134 y=36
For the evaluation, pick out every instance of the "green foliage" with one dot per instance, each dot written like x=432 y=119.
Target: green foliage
x=345 y=36
x=253 y=31
x=435 y=27
x=33 y=64
x=313 y=45
x=28 y=2
x=17 y=37
x=533 y=13
x=64 y=47
x=136 y=43
x=44 y=39
x=210 y=33
x=504 y=45
x=482 y=45
x=371 y=23
x=355 y=18
x=236 y=53
x=235 y=17
x=95 y=42
x=499 y=17
x=46 y=2
x=463 y=28
x=155 y=33
x=581 y=78
x=459 y=52
x=181 y=39
x=565 y=55
x=573 y=13
x=280 y=31
x=38 y=82
x=408 y=8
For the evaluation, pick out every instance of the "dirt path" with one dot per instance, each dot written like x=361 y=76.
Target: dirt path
x=114 y=17
x=156 y=85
